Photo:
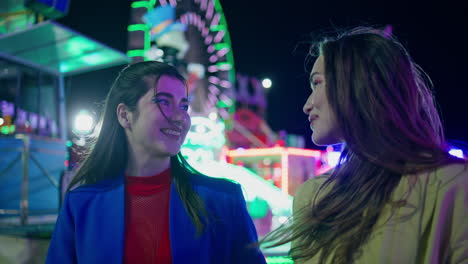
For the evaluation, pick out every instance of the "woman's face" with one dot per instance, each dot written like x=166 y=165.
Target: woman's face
x=325 y=129
x=149 y=132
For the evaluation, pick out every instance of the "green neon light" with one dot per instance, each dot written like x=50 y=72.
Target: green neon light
x=136 y=53
x=136 y=27
x=139 y=4
x=220 y=46
x=218 y=28
x=279 y=260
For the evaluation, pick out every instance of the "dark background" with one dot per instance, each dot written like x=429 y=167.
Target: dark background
x=270 y=39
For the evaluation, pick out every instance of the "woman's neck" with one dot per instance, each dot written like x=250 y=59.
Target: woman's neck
x=146 y=166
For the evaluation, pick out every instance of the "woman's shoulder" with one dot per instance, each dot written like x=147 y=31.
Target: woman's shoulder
x=449 y=176
x=308 y=190
x=100 y=186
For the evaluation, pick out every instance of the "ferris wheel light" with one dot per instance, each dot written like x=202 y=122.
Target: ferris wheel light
x=212 y=116
x=266 y=83
x=84 y=123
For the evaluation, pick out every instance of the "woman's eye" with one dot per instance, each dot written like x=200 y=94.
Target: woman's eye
x=317 y=82
x=184 y=107
x=161 y=101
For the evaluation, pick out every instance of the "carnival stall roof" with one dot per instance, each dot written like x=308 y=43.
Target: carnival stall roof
x=59 y=50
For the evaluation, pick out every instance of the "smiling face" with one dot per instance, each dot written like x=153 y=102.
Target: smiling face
x=325 y=129
x=160 y=123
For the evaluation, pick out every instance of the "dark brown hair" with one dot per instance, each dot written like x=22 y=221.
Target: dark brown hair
x=385 y=110
x=107 y=156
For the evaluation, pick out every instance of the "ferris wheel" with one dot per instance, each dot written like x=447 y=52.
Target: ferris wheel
x=193 y=36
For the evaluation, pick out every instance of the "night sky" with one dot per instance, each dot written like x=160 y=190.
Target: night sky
x=270 y=39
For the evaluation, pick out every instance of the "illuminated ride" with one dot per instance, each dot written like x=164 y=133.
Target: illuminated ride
x=193 y=36
x=227 y=138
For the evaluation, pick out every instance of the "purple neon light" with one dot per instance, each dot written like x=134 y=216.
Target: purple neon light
x=210 y=48
x=213 y=58
x=213 y=79
x=225 y=84
x=222 y=52
x=208 y=40
x=203 y=5
x=163 y=2
x=209 y=12
x=213 y=89
x=219 y=36
x=213 y=68
x=205 y=32
x=215 y=20
x=173 y=3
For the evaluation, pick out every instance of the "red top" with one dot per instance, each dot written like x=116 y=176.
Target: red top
x=147 y=219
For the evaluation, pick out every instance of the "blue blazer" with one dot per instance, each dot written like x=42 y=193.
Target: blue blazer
x=90 y=226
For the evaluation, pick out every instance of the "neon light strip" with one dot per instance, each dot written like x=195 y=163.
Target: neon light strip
x=304 y=152
x=139 y=4
x=215 y=20
x=213 y=58
x=163 y=2
x=274 y=151
x=255 y=152
x=173 y=3
x=220 y=46
x=208 y=40
x=219 y=36
x=224 y=66
x=203 y=5
x=210 y=49
x=209 y=12
x=137 y=27
x=284 y=172
x=225 y=84
x=222 y=52
x=212 y=68
x=136 y=53
x=213 y=79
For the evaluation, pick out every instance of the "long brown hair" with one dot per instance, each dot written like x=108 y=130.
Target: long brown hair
x=384 y=107
x=107 y=156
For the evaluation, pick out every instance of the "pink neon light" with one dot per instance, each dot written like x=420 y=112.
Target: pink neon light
x=274 y=151
x=304 y=152
x=213 y=89
x=203 y=5
x=225 y=84
x=222 y=52
x=210 y=49
x=215 y=20
x=163 y=2
x=255 y=152
x=212 y=68
x=209 y=12
x=208 y=40
x=205 y=32
x=219 y=36
x=213 y=79
x=173 y=3
x=213 y=58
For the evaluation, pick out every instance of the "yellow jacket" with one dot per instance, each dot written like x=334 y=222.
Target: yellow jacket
x=431 y=228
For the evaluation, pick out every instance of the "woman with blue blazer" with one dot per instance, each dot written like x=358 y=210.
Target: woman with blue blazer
x=137 y=200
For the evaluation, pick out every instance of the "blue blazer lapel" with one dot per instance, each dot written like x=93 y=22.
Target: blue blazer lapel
x=186 y=246
x=111 y=228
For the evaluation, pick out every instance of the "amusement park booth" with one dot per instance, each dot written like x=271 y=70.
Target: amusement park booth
x=34 y=63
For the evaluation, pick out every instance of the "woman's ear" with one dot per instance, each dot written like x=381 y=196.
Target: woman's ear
x=123 y=115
